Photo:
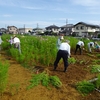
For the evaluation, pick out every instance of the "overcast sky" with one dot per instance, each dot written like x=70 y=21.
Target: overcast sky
x=48 y=12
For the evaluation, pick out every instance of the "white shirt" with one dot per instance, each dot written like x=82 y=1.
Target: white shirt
x=81 y=43
x=16 y=40
x=92 y=43
x=65 y=46
x=0 y=40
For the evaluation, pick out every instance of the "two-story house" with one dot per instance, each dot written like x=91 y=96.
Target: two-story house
x=12 y=30
x=52 y=28
x=86 y=30
x=36 y=31
x=67 y=29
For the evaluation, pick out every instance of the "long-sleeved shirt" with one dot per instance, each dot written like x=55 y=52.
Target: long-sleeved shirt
x=81 y=43
x=16 y=40
x=0 y=40
x=91 y=44
x=65 y=46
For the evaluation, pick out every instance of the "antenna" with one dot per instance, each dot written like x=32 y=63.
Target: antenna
x=66 y=25
x=66 y=22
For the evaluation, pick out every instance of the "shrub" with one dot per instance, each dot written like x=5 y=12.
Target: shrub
x=95 y=69
x=71 y=60
x=45 y=80
x=85 y=87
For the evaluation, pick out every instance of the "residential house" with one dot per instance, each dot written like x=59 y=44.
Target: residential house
x=3 y=30
x=12 y=30
x=24 y=30
x=52 y=28
x=37 y=30
x=67 y=29
x=86 y=30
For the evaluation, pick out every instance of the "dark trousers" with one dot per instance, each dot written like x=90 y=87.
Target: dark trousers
x=61 y=54
x=78 y=47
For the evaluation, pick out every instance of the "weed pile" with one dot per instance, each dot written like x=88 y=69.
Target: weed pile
x=44 y=79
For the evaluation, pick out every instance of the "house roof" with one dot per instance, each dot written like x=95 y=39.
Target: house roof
x=91 y=25
x=68 y=25
x=52 y=26
x=2 y=28
x=37 y=28
x=11 y=26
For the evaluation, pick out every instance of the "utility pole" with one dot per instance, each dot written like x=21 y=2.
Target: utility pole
x=66 y=25
x=24 y=28
x=37 y=28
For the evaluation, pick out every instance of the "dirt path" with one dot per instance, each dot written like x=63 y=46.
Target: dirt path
x=19 y=78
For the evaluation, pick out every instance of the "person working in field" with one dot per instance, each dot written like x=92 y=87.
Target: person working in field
x=97 y=47
x=16 y=42
x=0 y=42
x=59 y=40
x=90 y=46
x=79 y=46
x=63 y=52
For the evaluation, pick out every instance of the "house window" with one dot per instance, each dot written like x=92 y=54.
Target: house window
x=82 y=27
x=67 y=28
x=77 y=28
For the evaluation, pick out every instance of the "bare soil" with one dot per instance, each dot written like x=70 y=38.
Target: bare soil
x=19 y=78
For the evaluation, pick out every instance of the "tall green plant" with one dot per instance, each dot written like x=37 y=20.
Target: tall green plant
x=3 y=76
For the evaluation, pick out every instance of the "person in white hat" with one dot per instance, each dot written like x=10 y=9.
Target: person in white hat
x=97 y=46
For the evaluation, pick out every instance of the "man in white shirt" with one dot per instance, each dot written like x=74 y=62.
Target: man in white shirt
x=16 y=43
x=79 y=46
x=90 y=46
x=63 y=52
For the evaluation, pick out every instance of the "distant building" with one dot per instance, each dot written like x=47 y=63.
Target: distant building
x=12 y=30
x=52 y=28
x=24 y=30
x=86 y=30
x=3 y=30
x=37 y=30
x=67 y=29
